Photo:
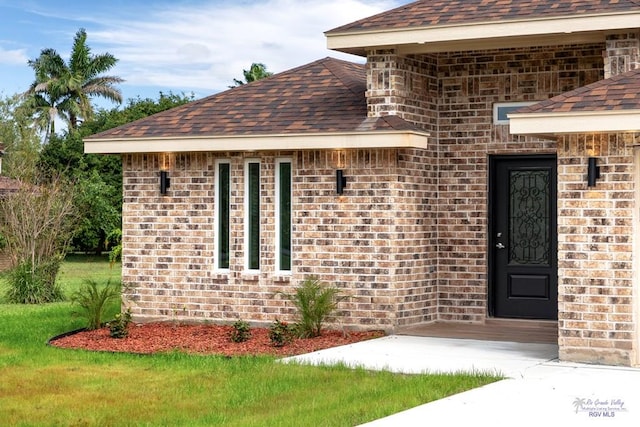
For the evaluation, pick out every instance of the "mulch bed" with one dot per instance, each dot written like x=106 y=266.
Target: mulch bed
x=149 y=338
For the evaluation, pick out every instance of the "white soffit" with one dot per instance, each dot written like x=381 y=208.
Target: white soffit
x=444 y=37
x=391 y=139
x=577 y=122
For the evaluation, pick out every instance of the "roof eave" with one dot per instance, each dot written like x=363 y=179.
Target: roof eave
x=283 y=142
x=479 y=35
x=555 y=123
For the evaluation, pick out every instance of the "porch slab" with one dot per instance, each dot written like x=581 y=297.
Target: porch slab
x=512 y=330
x=414 y=355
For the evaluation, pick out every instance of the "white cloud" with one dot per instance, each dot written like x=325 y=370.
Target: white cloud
x=13 y=56
x=204 y=46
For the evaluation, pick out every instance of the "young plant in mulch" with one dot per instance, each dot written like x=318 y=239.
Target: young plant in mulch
x=315 y=301
x=119 y=327
x=281 y=333
x=241 y=331
x=93 y=299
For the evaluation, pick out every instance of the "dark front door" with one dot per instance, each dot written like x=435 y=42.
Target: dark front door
x=523 y=237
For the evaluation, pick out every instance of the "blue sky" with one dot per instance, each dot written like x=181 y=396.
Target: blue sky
x=190 y=46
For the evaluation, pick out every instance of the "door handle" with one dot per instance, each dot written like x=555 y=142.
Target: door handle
x=500 y=245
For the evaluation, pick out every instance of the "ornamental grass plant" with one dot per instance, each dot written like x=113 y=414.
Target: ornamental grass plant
x=92 y=300
x=315 y=302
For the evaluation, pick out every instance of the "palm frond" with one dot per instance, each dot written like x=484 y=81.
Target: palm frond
x=66 y=89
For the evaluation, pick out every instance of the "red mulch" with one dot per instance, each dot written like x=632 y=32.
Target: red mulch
x=150 y=338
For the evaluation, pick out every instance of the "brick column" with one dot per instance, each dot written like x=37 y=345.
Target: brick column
x=622 y=53
x=384 y=81
x=595 y=250
x=403 y=86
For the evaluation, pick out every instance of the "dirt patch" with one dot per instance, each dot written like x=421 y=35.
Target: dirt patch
x=148 y=338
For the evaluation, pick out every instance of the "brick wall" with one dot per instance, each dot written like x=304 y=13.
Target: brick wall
x=375 y=241
x=367 y=241
x=597 y=235
x=346 y=239
x=169 y=241
x=459 y=92
x=470 y=85
x=596 y=307
x=408 y=87
x=595 y=249
x=415 y=219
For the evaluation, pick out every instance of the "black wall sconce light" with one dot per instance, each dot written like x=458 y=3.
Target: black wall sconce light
x=593 y=172
x=165 y=182
x=341 y=181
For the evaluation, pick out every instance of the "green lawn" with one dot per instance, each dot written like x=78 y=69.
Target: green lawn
x=43 y=386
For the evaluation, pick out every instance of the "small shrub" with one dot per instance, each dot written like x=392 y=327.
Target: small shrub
x=93 y=300
x=119 y=327
x=34 y=284
x=241 y=331
x=280 y=333
x=315 y=302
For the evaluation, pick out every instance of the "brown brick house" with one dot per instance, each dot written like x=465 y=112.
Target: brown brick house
x=465 y=141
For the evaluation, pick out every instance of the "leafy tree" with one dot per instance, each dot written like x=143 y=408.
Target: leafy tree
x=20 y=139
x=37 y=223
x=100 y=216
x=98 y=177
x=65 y=89
x=257 y=71
x=98 y=181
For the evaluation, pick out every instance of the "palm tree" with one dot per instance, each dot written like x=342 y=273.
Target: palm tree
x=579 y=404
x=45 y=94
x=257 y=71
x=65 y=90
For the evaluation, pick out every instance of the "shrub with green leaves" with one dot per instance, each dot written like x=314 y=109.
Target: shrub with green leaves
x=119 y=327
x=93 y=299
x=281 y=333
x=29 y=284
x=241 y=331
x=315 y=301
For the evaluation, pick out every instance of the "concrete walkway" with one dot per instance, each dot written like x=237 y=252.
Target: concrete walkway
x=538 y=390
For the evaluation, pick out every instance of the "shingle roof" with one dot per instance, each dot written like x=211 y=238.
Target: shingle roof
x=617 y=93
x=428 y=13
x=327 y=95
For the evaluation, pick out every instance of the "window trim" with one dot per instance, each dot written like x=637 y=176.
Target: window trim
x=218 y=207
x=247 y=214
x=278 y=216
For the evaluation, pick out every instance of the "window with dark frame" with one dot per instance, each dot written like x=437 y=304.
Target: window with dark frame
x=283 y=180
x=253 y=215
x=223 y=201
